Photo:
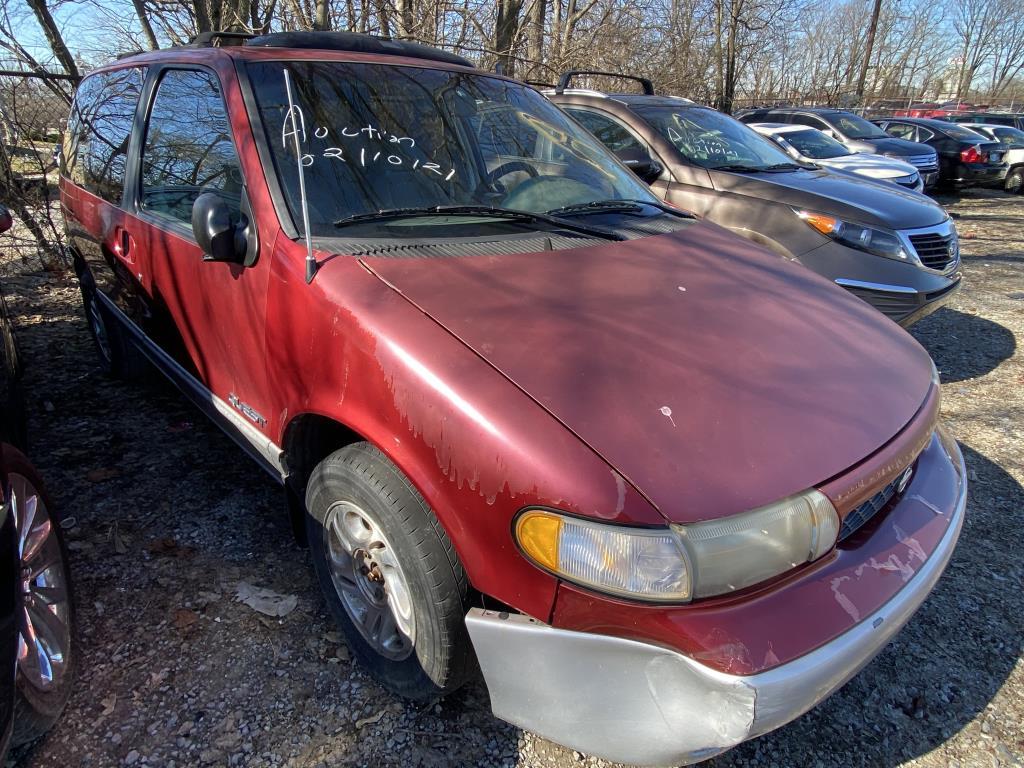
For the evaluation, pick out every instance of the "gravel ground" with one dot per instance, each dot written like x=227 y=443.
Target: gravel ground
x=166 y=517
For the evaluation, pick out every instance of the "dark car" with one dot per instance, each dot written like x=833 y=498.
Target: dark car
x=966 y=158
x=894 y=248
x=858 y=134
x=36 y=615
x=1012 y=119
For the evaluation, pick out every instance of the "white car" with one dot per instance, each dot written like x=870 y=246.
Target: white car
x=1012 y=140
x=810 y=145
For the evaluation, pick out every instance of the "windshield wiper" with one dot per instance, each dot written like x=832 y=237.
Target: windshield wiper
x=736 y=168
x=616 y=206
x=477 y=210
x=783 y=167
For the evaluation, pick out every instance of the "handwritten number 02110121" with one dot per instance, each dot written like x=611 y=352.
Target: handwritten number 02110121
x=366 y=153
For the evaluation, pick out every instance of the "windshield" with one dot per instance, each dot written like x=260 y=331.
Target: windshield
x=378 y=137
x=815 y=144
x=856 y=127
x=712 y=140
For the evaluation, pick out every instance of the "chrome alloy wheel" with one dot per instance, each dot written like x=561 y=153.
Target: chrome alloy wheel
x=99 y=329
x=369 y=580
x=44 y=639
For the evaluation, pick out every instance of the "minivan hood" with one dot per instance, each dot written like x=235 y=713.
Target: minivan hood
x=713 y=375
x=846 y=197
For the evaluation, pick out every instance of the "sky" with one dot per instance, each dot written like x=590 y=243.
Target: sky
x=86 y=27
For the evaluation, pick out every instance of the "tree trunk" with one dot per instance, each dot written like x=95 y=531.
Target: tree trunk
x=147 y=27
x=322 y=21
x=535 y=38
x=53 y=36
x=406 y=20
x=868 y=48
x=505 y=32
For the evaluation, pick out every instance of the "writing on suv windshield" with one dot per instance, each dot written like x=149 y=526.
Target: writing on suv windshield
x=712 y=140
x=379 y=138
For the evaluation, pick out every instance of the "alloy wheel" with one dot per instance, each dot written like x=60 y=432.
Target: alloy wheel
x=369 y=580
x=44 y=637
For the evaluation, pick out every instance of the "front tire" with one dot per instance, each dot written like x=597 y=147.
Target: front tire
x=389 y=573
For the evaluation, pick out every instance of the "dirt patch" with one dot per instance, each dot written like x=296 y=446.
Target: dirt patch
x=167 y=518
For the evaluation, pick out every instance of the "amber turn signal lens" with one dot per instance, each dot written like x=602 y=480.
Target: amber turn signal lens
x=826 y=225
x=538 y=532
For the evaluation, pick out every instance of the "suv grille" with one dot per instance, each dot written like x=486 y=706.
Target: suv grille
x=924 y=162
x=856 y=518
x=934 y=250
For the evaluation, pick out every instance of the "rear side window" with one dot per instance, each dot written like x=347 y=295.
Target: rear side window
x=188 y=148
x=100 y=127
x=610 y=133
x=810 y=120
x=902 y=131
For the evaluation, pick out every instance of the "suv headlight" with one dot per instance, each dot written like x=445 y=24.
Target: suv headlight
x=880 y=242
x=681 y=562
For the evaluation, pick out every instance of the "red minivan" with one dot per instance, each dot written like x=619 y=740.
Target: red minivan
x=664 y=489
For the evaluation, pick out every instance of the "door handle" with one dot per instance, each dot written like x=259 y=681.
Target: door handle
x=124 y=245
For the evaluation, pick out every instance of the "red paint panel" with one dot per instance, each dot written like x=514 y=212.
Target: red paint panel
x=712 y=374
x=760 y=629
x=349 y=347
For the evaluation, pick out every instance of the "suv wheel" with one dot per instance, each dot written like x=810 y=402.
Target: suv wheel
x=46 y=648
x=389 y=573
x=118 y=357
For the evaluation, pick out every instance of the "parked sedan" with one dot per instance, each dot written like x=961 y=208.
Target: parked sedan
x=893 y=248
x=966 y=158
x=809 y=145
x=856 y=133
x=36 y=659
x=1012 y=140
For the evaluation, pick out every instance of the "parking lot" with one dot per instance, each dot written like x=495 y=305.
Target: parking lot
x=169 y=522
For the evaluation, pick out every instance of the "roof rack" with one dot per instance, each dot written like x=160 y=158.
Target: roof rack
x=563 y=81
x=353 y=41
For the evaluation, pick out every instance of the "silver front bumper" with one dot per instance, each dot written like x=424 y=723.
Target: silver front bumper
x=637 y=703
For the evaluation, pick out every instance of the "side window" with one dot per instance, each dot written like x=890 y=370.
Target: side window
x=188 y=148
x=923 y=134
x=902 y=131
x=612 y=134
x=810 y=120
x=99 y=129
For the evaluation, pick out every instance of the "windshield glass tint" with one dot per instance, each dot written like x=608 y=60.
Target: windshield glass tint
x=711 y=140
x=815 y=144
x=376 y=137
x=856 y=127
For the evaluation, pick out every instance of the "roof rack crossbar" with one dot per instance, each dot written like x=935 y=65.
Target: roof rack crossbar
x=563 y=81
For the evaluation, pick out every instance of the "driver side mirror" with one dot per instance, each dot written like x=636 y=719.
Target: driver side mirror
x=218 y=230
x=640 y=163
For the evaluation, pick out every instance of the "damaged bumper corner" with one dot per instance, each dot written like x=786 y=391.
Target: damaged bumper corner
x=638 y=703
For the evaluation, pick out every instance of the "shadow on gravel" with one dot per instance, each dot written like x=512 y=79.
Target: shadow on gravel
x=942 y=670
x=963 y=346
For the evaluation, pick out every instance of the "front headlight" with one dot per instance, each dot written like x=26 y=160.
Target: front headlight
x=681 y=562
x=880 y=242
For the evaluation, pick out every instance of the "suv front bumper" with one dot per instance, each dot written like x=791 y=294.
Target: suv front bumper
x=634 y=702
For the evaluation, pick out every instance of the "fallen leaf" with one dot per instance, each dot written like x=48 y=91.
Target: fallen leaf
x=101 y=474
x=371 y=719
x=265 y=601
x=108 y=703
x=184 y=618
x=119 y=546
